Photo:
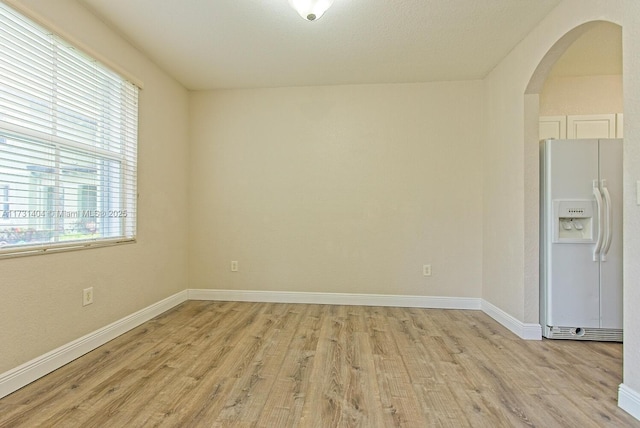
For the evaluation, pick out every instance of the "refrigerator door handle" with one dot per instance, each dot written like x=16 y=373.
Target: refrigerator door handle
x=607 y=221
x=598 y=196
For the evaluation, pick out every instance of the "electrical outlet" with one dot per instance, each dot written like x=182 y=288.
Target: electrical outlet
x=87 y=296
x=234 y=266
x=426 y=270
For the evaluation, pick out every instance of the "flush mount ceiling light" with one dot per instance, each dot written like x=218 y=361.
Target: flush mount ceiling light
x=311 y=9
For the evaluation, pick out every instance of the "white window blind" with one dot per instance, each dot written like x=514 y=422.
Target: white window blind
x=68 y=144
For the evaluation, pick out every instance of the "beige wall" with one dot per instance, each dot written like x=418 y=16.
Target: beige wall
x=631 y=46
x=42 y=295
x=338 y=189
x=581 y=95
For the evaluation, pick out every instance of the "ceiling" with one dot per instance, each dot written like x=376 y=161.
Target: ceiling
x=213 y=44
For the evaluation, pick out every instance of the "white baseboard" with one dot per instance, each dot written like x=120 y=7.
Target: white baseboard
x=525 y=331
x=629 y=400
x=26 y=373
x=403 y=301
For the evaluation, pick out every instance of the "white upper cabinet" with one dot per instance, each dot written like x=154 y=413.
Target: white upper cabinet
x=591 y=126
x=581 y=126
x=553 y=127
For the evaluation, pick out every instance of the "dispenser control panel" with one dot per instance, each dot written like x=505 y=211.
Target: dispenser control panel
x=573 y=221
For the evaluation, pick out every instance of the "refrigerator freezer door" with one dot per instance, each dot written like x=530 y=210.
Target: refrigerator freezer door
x=572 y=297
x=611 y=267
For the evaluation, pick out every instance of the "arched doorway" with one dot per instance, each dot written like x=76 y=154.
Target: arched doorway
x=531 y=154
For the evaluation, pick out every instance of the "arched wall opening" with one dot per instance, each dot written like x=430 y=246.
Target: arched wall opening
x=532 y=162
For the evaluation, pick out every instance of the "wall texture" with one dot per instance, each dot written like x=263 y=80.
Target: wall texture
x=631 y=46
x=581 y=95
x=42 y=295
x=338 y=189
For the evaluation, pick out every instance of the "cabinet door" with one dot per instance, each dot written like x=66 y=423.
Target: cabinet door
x=591 y=126
x=553 y=127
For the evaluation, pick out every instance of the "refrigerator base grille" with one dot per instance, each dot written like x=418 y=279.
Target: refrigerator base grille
x=583 y=333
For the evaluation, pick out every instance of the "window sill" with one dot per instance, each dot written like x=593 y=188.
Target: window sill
x=35 y=250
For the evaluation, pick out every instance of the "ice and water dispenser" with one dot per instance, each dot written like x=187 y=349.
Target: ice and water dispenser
x=573 y=221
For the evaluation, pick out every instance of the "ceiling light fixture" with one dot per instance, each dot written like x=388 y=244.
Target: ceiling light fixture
x=311 y=9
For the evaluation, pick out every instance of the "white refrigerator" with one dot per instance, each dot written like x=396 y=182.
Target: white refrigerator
x=581 y=239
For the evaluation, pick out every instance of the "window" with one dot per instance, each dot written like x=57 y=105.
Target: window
x=68 y=144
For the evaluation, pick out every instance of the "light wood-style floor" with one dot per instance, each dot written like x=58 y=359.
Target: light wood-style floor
x=230 y=364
